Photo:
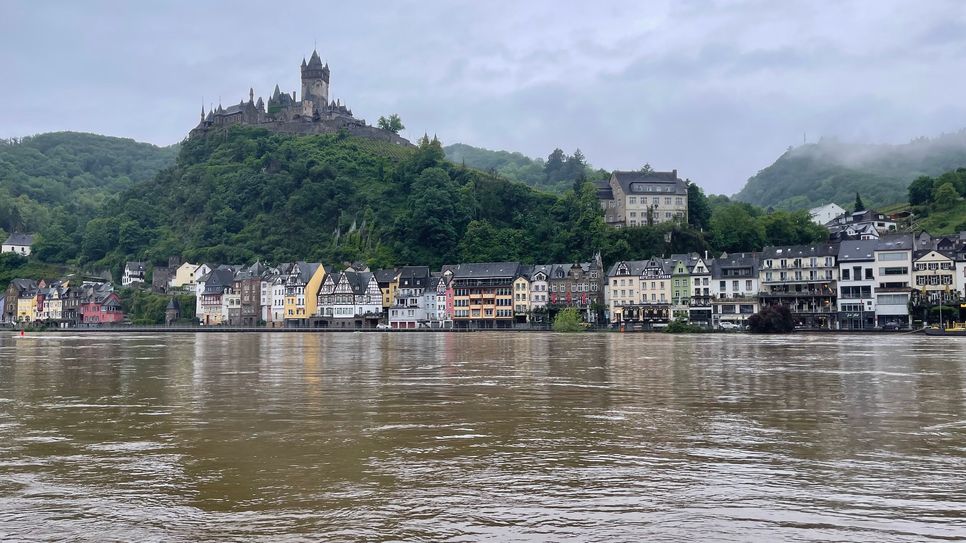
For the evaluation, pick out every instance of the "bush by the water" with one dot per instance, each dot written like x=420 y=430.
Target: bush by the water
x=775 y=319
x=681 y=326
x=568 y=320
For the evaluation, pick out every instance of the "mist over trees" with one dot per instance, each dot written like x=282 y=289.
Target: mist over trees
x=831 y=171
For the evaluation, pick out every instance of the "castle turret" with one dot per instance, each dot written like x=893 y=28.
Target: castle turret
x=315 y=82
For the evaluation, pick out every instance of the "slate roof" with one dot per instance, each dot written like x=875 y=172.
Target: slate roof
x=218 y=280
x=894 y=242
x=626 y=179
x=801 y=251
x=862 y=250
x=385 y=276
x=418 y=276
x=487 y=270
x=634 y=267
x=20 y=239
x=735 y=261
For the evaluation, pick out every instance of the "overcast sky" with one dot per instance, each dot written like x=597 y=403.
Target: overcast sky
x=716 y=90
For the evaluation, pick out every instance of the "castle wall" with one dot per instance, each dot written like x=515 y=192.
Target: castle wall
x=326 y=126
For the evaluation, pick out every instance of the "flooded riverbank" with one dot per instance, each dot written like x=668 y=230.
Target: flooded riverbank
x=467 y=437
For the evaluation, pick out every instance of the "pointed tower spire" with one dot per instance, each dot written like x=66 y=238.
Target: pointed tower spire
x=251 y=95
x=202 y=109
x=314 y=60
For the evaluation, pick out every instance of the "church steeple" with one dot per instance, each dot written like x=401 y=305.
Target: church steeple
x=251 y=95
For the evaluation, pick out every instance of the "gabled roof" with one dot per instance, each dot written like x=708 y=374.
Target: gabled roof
x=20 y=239
x=218 y=280
x=134 y=266
x=634 y=267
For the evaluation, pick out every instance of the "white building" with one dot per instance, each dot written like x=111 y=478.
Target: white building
x=415 y=303
x=539 y=287
x=893 y=279
x=18 y=243
x=184 y=277
x=823 y=214
x=350 y=299
x=856 y=286
x=133 y=273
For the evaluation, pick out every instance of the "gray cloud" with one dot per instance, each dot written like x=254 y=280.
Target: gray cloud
x=715 y=89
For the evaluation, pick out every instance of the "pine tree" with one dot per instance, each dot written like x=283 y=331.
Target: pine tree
x=859 y=206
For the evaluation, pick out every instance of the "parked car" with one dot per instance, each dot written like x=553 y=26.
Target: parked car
x=890 y=327
x=725 y=325
x=383 y=326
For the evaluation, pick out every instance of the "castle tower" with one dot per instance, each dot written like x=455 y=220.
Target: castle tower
x=315 y=83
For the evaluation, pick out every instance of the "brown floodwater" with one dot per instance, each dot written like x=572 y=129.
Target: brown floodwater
x=482 y=436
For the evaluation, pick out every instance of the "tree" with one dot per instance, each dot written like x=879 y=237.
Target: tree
x=859 y=206
x=392 y=123
x=920 y=190
x=945 y=196
x=567 y=320
x=774 y=319
x=699 y=211
x=734 y=229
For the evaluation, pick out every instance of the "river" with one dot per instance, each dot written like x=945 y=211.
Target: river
x=482 y=437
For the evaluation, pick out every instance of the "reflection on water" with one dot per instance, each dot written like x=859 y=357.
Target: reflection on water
x=464 y=437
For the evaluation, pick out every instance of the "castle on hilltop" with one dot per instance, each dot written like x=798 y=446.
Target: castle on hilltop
x=313 y=114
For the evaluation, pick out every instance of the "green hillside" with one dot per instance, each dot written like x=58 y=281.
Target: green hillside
x=556 y=174
x=250 y=194
x=68 y=175
x=831 y=171
x=254 y=194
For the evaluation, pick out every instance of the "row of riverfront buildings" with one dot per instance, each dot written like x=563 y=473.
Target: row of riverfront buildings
x=853 y=284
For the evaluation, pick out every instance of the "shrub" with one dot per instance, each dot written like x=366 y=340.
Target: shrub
x=681 y=326
x=775 y=319
x=568 y=320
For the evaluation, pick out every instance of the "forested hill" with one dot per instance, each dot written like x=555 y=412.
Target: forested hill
x=556 y=174
x=831 y=171
x=46 y=177
x=251 y=194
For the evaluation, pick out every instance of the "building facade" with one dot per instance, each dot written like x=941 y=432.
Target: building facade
x=643 y=198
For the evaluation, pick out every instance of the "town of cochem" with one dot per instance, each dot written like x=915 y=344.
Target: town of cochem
x=651 y=271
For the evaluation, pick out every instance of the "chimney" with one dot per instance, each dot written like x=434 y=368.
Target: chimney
x=674 y=173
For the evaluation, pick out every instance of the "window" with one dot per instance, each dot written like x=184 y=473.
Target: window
x=893 y=271
x=893 y=257
x=723 y=286
x=679 y=201
x=748 y=285
x=868 y=273
x=632 y=200
x=892 y=299
x=845 y=274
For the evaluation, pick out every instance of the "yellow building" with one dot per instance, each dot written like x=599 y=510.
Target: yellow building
x=521 y=298
x=302 y=292
x=388 y=281
x=184 y=276
x=26 y=307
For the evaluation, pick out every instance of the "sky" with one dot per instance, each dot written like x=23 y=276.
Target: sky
x=715 y=89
